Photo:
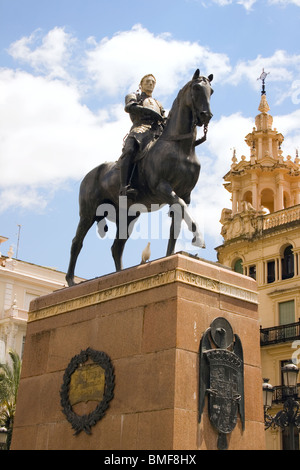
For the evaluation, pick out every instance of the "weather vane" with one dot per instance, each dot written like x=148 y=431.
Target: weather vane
x=263 y=77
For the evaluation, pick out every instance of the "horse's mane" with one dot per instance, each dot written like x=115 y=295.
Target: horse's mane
x=178 y=98
x=176 y=101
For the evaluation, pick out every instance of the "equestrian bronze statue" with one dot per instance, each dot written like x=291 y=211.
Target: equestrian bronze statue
x=164 y=169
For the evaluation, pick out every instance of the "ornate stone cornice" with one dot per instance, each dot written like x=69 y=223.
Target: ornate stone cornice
x=169 y=277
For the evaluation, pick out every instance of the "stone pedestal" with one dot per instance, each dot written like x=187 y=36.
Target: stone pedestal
x=149 y=320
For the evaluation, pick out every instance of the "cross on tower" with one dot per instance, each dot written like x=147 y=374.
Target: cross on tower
x=263 y=77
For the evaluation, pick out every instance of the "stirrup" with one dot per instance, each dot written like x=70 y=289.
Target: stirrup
x=128 y=191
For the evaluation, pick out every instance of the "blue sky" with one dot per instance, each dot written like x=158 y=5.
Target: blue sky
x=65 y=67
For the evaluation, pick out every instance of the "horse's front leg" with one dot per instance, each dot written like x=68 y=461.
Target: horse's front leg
x=125 y=226
x=180 y=210
x=174 y=232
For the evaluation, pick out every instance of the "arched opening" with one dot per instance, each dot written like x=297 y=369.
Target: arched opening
x=267 y=199
x=248 y=197
x=287 y=262
x=238 y=266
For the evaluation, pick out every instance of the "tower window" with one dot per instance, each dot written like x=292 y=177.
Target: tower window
x=270 y=271
x=238 y=266
x=287 y=263
x=267 y=199
x=252 y=271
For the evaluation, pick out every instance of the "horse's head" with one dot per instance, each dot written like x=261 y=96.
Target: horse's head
x=201 y=92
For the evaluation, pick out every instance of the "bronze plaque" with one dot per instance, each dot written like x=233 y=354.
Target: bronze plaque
x=87 y=384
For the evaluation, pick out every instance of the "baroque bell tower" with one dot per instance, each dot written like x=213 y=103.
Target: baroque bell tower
x=261 y=239
x=263 y=188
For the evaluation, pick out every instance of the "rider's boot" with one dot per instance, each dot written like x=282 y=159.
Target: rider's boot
x=126 y=189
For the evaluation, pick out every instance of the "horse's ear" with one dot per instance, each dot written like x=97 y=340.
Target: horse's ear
x=210 y=77
x=196 y=74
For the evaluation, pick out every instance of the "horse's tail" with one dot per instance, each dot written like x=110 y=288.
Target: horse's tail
x=96 y=194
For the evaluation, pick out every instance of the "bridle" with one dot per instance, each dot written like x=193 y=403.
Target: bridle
x=178 y=137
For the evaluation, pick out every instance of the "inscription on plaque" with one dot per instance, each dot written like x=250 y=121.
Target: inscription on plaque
x=87 y=384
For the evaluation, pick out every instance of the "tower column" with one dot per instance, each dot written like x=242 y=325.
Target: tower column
x=297 y=196
x=254 y=187
x=279 y=205
x=234 y=201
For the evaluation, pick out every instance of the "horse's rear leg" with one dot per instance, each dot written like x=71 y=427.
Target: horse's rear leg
x=84 y=225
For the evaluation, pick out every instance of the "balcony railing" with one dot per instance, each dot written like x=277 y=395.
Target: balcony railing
x=280 y=334
x=284 y=216
x=282 y=393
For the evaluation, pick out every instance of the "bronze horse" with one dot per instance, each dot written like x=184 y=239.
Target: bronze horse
x=165 y=175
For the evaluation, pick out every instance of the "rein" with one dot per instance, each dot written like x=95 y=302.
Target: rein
x=188 y=136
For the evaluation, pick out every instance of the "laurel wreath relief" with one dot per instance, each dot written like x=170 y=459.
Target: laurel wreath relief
x=85 y=422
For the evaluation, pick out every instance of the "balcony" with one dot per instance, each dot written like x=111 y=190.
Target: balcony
x=280 y=334
x=292 y=214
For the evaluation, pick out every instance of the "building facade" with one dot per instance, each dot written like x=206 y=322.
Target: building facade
x=21 y=282
x=261 y=239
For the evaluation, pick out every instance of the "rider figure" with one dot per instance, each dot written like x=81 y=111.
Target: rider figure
x=147 y=116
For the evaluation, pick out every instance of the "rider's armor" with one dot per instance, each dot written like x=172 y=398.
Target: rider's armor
x=142 y=122
x=147 y=116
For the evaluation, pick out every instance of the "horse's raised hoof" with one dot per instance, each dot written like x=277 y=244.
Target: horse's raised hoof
x=199 y=242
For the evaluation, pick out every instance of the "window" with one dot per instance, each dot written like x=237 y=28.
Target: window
x=287 y=316
x=287 y=263
x=286 y=312
x=238 y=266
x=252 y=271
x=270 y=271
x=28 y=298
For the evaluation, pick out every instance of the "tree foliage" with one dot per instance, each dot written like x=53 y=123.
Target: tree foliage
x=9 y=383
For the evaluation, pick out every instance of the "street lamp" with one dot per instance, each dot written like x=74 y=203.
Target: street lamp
x=267 y=402
x=290 y=373
x=289 y=416
x=267 y=394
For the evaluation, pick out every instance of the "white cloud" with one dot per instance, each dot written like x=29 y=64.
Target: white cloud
x=23 y=197
x=247 y=4
x=289 y=126
x=114 y=68
x=47 y=136
x=51 y=56
x=281 y=66
x=285 y=2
